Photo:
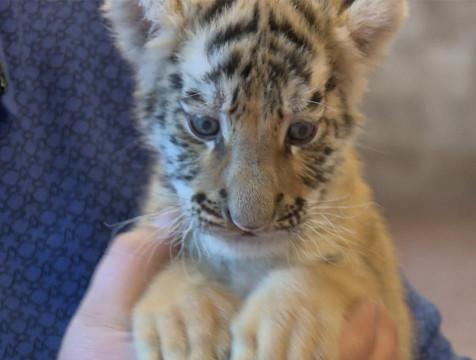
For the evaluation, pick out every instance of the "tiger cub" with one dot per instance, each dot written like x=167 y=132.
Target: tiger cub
x=250 y=107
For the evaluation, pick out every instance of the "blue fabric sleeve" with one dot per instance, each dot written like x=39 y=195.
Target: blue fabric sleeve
x=71 y=163
x=431 y=344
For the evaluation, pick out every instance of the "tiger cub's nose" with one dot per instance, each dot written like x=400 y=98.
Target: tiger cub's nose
x=254 y=226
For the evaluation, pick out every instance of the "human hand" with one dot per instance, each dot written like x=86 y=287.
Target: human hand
x=101 y=327
x=369 y=334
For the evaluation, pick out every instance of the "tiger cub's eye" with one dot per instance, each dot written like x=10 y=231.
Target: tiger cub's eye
x=203 y=126
x=301 y=133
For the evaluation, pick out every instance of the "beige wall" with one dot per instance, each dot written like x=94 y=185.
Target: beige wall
x=420 y=137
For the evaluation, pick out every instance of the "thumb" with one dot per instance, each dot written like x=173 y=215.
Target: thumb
x=122 y=275
x=357 y=336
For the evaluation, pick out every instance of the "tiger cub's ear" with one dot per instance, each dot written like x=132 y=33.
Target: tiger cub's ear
x=371 y=24
x=139 y=24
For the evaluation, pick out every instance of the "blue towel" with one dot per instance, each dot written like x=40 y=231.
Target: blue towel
x=70 y=164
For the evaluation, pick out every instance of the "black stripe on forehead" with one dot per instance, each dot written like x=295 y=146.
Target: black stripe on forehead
x=277 y=71
x=235 y=95
x=283 y=29
x=235 y=31
x=232 y=63
x=297 y=62
x=217 y=9
x=234 y=101
x=228 y=68
x=307 y=12
x=246 y=71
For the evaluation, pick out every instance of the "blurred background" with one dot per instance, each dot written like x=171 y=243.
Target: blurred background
x=419 y=147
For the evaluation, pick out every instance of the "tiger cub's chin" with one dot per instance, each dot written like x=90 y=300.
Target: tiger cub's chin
x=245 y=246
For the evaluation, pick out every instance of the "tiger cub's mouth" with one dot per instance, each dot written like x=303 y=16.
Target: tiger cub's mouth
x=246 y=244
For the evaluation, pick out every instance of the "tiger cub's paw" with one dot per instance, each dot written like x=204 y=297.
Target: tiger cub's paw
x=189 y=322
x=277 y=324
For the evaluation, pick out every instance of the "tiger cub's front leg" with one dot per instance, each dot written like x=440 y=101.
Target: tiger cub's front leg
x=183 y=316
x=294 y=315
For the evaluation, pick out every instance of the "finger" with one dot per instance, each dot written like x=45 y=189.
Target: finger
x=358 y=334
x=123 y=273
x=386 y=342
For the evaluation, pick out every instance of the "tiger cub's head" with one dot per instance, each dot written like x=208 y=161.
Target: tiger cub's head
x=250 y=104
